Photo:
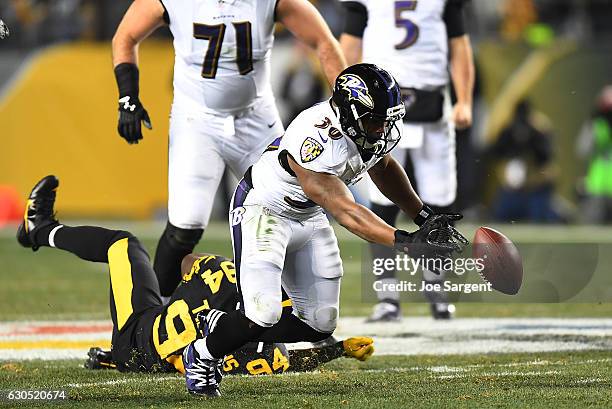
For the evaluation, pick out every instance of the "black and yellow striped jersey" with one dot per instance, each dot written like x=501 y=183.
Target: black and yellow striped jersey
x=211 y=283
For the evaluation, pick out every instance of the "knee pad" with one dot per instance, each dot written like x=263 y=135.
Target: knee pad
x=182 y=238
x=262 y=309
x=387 y=213
x=325 y=319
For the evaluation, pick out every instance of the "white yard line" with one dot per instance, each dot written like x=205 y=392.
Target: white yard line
x=499 y=374
x=455 y=372
x=126 y=380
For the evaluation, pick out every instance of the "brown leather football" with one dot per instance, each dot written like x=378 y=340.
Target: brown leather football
x=503 y=265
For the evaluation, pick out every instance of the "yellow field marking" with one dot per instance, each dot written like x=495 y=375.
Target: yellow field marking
x=49 y=344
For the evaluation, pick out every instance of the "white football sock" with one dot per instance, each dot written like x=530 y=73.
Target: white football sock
x=200 y=346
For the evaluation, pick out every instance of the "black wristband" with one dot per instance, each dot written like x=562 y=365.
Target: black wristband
x=126 y=75
x=423 y=215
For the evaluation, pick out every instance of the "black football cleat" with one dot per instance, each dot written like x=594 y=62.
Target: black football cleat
x=97 y=358
x=38 y=212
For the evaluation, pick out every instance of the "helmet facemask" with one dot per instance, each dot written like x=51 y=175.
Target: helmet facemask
x=376 y=135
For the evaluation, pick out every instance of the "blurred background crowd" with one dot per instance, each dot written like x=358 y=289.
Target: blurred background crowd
x=540 y=149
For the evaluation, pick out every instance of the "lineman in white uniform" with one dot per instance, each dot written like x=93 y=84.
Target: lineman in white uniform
x=411 y=39
x=223 y=111
x=280 y=235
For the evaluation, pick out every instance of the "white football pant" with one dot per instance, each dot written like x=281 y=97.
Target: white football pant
x=201 y=146
x=271 y=251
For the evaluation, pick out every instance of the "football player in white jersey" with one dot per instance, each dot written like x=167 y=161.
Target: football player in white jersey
x=281 y=236
x=223 y=113
x=413 y=40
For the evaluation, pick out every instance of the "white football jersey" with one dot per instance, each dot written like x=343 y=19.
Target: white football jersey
x=408 y=39
x=222 y=52
x=315 y=141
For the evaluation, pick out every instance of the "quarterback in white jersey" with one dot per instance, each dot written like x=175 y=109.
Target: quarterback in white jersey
x=223 y=113
x=413 y=40
x=283 y=240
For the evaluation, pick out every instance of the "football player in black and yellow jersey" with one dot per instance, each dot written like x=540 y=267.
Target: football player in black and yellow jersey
x=148 y=335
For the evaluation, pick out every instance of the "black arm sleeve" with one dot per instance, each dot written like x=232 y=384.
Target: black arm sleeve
x=127 y=77
x=454 y=19
x=355 y=18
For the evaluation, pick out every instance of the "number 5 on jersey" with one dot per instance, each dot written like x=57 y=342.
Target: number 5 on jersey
x=412 y=30
x=215 y=34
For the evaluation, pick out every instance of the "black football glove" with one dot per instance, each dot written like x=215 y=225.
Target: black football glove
x=131 y=111
x=431 y=240
x=435 y=239
x=446 y=234
x=131 y=114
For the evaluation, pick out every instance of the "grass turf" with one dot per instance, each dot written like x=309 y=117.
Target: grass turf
x=56 y=285
x=552 y=380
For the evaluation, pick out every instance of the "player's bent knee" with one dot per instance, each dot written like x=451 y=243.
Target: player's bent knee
x=262 y=309
x=325 y=319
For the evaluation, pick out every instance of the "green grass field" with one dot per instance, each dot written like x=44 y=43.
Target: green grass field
x=554 y=380
x=53 y=285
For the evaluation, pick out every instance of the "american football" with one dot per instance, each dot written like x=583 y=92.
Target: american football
x=503 y=266
x=271 y=203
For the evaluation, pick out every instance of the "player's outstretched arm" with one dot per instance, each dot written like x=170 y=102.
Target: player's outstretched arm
x=330 y=193
x=140 y=20
x=391 y=179
x=304 y=21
